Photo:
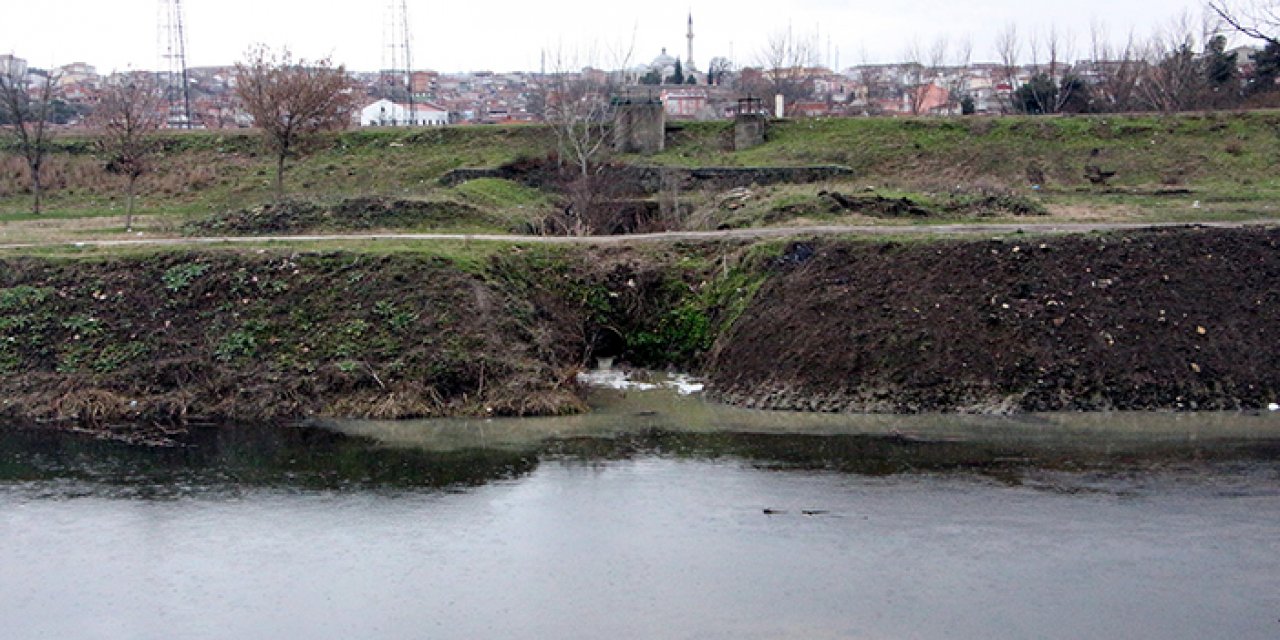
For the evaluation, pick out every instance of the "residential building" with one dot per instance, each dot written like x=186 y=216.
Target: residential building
x=385 y=113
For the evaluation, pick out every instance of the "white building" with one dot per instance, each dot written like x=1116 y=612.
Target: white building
x=12 y=66
x=385 y=113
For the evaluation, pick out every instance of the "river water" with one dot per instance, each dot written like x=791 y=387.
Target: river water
x=657 y=516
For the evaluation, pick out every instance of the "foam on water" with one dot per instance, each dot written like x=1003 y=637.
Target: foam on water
x=606 y=377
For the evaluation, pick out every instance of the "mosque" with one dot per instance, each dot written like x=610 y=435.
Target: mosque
x=664 y=65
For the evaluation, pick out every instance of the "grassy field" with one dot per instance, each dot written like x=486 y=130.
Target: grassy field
x=1198 y=166
x=1216 y=166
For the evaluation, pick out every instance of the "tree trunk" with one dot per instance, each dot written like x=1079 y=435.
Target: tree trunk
x=35 y=189
x=128 y=207
x=280 y=177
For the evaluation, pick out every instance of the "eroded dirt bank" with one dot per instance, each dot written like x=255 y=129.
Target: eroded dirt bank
x=221 y=335
x=140 y=345
x=1171 y=319
x=1182 y=318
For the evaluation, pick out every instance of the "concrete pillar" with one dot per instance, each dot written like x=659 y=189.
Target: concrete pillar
x=640 y=127
x=748 y=130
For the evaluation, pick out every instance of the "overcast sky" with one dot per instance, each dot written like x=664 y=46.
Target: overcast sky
x=500 y=35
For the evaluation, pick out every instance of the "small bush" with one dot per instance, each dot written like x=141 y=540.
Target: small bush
x=116 y=356
x=23 y=297
x=181 y=276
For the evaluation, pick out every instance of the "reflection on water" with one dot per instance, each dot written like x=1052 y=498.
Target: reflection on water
x=235 y=458
x=635 y=424
x=656 y=517
x=640 y=422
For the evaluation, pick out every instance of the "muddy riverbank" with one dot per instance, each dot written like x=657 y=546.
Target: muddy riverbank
x=1161 y=319
x=1175 y=318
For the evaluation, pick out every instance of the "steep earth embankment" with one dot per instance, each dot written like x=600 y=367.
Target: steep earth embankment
x=222 y=335
x=1172 y=319
x=1180 y=318
x=126 y=343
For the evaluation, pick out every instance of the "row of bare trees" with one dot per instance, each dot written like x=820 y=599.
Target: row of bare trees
x=1183 y=65
x=290 y=101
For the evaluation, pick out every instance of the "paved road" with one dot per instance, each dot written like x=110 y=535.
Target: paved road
x=671 y=236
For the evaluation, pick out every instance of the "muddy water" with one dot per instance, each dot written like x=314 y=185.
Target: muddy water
x=647 y=519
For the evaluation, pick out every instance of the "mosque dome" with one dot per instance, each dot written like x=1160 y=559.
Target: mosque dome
x=663 y=61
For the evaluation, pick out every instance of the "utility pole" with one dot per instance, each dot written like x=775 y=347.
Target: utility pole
x=173 y=49
x=397 y=40
x=408 y=57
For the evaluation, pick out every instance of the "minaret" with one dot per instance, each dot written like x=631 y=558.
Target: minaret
x=688 y=62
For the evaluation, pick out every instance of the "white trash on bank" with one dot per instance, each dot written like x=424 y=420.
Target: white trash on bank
x=620 y=380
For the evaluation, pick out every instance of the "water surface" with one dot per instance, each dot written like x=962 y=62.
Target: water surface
x=657 y=516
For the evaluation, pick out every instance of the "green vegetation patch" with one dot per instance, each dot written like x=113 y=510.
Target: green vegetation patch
x=353 y=214
x=497 y=193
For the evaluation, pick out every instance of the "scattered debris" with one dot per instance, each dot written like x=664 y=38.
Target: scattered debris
x=875 y=205
x=734 y=199
x=1096 y=175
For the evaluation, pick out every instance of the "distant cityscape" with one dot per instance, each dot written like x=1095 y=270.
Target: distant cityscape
x=430 y=98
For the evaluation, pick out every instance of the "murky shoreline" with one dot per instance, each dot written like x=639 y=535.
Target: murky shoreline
x=658 y=515
x=664 y=408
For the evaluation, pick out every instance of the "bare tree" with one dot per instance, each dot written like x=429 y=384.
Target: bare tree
x=577 y=103
x=926 y=73
x=291 y=101
x=873 y=87
x=129 y=113
x=916 y=74
x=578 y=109
x=719 y=70
x=578 y=106
x=1173 y=78
x=1116 y=71
x=787 y=63
x=1259 y=19
x=955 y=80
x=27 y=116
x=1009 y=50
x=1048 y=91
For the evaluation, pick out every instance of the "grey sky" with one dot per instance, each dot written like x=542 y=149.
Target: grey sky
x=500 y=35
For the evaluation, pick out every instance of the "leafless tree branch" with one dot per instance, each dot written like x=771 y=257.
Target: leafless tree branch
x=1259 y=19
x=128 y=114
x=291 y=101
x=28 y=115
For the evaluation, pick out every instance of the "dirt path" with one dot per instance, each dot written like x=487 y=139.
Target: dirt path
x=671 y=236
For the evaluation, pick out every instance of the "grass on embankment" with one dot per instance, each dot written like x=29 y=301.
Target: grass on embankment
x=1197 y=166
x=1194 y=166
x=139 y=336
x=198 y=173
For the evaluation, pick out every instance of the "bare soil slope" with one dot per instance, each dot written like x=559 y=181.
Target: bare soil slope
x=1178 y=318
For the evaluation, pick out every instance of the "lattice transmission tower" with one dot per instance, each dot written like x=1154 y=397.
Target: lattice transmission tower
x=397 y=59
x=172 y=45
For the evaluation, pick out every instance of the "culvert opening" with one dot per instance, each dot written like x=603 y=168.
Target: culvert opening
x=607 y=344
